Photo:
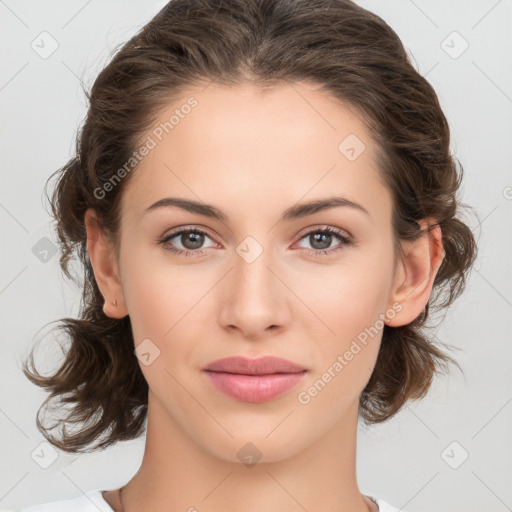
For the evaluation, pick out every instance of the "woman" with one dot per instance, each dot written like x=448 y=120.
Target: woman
x=264 y=203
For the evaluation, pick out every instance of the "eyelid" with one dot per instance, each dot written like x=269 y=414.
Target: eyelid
x=320 y=227
x=188 y=227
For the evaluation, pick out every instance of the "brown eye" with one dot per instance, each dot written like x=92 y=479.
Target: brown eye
x=191 y=239
x=187 y=242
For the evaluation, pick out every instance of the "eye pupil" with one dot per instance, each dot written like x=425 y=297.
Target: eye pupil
x=192 y=240
x=321 y=237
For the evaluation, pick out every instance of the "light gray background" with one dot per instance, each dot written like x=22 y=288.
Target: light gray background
x=404 y=461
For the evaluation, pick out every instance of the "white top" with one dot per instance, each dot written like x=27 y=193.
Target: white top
x=93 y=502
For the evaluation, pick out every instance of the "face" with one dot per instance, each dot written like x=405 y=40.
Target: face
x=311 y=288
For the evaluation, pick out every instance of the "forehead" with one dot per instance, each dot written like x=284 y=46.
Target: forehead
x=240 y=144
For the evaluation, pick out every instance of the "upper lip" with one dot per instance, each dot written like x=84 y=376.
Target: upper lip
x=259 y=366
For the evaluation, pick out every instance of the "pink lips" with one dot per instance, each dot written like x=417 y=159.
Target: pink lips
x=254 y=380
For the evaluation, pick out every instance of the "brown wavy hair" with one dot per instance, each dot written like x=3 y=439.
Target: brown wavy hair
x=356 y=57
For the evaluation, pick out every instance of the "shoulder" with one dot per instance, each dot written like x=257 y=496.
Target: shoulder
x=90 y=502
x=386 y=507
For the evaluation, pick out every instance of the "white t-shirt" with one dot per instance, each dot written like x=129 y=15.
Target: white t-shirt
x=93 y=502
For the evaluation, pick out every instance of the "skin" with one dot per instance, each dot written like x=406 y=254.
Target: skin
x=253 y=155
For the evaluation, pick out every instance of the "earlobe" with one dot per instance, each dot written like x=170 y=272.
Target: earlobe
x=415 y=277
x=105 y=267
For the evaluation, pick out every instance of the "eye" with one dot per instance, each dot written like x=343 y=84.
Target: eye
x=190 y=239
x=321 y=240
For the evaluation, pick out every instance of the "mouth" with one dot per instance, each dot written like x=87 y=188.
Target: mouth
x=259 y=366
x=254 y=380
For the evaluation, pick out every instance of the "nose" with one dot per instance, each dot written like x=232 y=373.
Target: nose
x=255 y=301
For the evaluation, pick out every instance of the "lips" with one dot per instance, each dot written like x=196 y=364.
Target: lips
x=254 y=380
x=261 y=366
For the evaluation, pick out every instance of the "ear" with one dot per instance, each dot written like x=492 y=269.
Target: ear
x=105 y=267
x=414 y=277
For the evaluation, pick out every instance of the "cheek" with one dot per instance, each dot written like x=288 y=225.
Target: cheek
x=154 y=289
x=165 y=305
x=350 y=308
x=145 y=303
x=160 y=305
x=349 y=297
x=346 y=353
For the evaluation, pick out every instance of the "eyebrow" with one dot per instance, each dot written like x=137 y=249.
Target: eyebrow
x=294 y=212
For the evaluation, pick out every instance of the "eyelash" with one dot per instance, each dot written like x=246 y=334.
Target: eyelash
x=345 y=241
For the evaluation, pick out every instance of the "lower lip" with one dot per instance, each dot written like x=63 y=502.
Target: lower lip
x=254 y=388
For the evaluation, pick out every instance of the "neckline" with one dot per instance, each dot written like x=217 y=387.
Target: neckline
x=100 y=493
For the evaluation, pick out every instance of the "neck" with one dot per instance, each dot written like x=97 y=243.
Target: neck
x=178 y=474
